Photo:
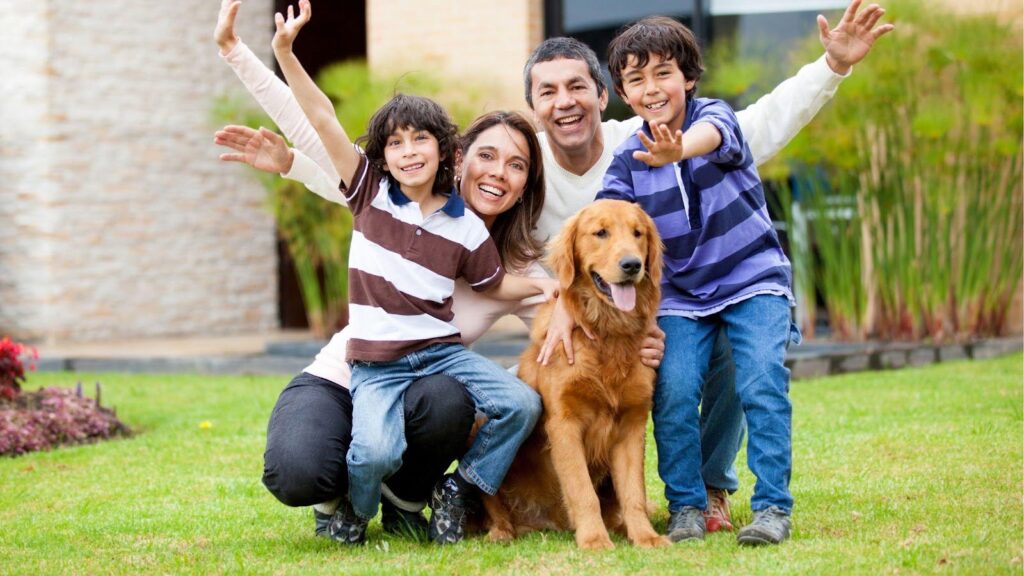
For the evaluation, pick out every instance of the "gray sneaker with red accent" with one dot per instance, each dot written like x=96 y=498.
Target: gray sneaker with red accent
x=716 y=517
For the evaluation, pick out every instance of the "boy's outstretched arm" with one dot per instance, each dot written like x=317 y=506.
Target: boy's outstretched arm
x=851 y=40
x=272 y=94
x=314 y=102
x=771 y=122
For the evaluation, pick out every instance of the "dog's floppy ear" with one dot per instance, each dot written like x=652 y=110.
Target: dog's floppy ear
x=654 y=249
x=562 y=257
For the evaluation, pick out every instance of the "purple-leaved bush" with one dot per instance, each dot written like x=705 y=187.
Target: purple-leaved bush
x=49 y=417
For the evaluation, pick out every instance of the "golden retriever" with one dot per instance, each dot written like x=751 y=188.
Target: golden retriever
x=608 y=261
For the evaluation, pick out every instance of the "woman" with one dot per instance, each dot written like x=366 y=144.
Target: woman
x=500 y=177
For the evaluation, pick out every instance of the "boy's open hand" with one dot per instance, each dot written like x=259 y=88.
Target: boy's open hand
x=664 y=149
x=224 y=33
x=288 y=29
x=851 y=40
x=262 y=149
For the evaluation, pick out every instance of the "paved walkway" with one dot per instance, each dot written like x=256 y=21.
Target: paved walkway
x=288 y=352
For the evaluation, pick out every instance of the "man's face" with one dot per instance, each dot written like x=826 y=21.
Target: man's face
x=567 y=105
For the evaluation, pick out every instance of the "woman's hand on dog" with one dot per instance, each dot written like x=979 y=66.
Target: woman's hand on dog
x=653 y=348
x=560 y=328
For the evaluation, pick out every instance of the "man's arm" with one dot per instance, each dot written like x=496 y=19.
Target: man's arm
x=771 y=122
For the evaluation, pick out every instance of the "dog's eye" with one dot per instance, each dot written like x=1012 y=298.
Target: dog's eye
x=602 y=233
x=637 y=233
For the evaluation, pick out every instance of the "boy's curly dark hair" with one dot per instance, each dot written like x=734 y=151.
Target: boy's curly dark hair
x=657 y=35
x=416 y=112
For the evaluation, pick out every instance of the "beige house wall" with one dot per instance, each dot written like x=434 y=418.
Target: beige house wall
x=483 y=43
x=116 y=218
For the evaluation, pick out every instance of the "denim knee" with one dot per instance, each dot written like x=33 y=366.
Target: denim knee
x=527 y=408
x=379 y=460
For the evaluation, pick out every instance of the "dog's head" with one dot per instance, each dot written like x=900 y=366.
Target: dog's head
x=609 y=253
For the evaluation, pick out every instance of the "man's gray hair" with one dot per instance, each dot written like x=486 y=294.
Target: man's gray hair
x=562 y=47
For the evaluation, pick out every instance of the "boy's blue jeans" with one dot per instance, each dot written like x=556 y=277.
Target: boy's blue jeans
x=758 y=330
x=378 y=441
x=721 y=419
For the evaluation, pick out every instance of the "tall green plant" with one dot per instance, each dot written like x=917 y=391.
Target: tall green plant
x=925 y=136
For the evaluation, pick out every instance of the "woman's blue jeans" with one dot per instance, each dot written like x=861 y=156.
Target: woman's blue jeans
x=378 y=441
x=758 y=330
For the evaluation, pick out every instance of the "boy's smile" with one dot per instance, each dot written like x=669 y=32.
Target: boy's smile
x=657 y=91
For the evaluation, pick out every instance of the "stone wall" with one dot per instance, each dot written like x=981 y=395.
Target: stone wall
x=481 y=43
x=116 y=218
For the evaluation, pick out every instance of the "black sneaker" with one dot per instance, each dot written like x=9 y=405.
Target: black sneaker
x=345 y=526
x=769 y=526
x=323 y=521
x=450 y=502
x=687 y=523
x=402 y=522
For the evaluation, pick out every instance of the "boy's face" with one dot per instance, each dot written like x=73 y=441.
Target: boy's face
x=656 y=92
x=567 y=104
x=412 y=156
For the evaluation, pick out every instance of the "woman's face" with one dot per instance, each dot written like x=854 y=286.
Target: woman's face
x=494 y=171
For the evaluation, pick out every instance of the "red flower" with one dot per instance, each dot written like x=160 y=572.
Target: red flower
x=12 y=370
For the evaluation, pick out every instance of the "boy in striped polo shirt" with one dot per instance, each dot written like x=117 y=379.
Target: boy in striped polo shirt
x=413 y=237
x=691 y=170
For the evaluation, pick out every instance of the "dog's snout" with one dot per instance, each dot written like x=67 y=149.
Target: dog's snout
x=630 y=265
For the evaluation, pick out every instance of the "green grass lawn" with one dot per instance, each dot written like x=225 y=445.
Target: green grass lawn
x=912 y=471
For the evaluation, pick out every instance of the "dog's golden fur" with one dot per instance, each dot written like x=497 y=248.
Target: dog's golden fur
x=595 y=410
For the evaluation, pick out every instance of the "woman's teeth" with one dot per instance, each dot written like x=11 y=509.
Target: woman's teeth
x=413 y=167
x=491 y=190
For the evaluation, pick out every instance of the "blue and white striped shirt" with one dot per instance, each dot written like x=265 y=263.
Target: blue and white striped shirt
x=720 y=247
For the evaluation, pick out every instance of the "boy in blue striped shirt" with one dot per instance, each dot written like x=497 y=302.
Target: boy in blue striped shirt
x=691 y=170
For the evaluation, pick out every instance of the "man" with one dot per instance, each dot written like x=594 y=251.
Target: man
x=565 y=90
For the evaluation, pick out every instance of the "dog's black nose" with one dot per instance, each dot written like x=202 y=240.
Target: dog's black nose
x=630 y=265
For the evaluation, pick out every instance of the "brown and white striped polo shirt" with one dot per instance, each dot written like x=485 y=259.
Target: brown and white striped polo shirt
x=402 y=267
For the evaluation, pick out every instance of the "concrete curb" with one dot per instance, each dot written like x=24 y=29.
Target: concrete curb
x=811 y=360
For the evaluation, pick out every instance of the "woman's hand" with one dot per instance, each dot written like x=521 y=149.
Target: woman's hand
x=224 y=33
x=666 y=147
x=560 y=327
x=549 y=288
x=653 y=348
x=262 y=149
x=288 y=29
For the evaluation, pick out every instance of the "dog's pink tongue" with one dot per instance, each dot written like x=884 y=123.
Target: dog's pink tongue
x=624 y=296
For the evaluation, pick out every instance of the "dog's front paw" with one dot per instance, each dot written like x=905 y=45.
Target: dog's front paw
x=596 y=541
x=501 y=535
